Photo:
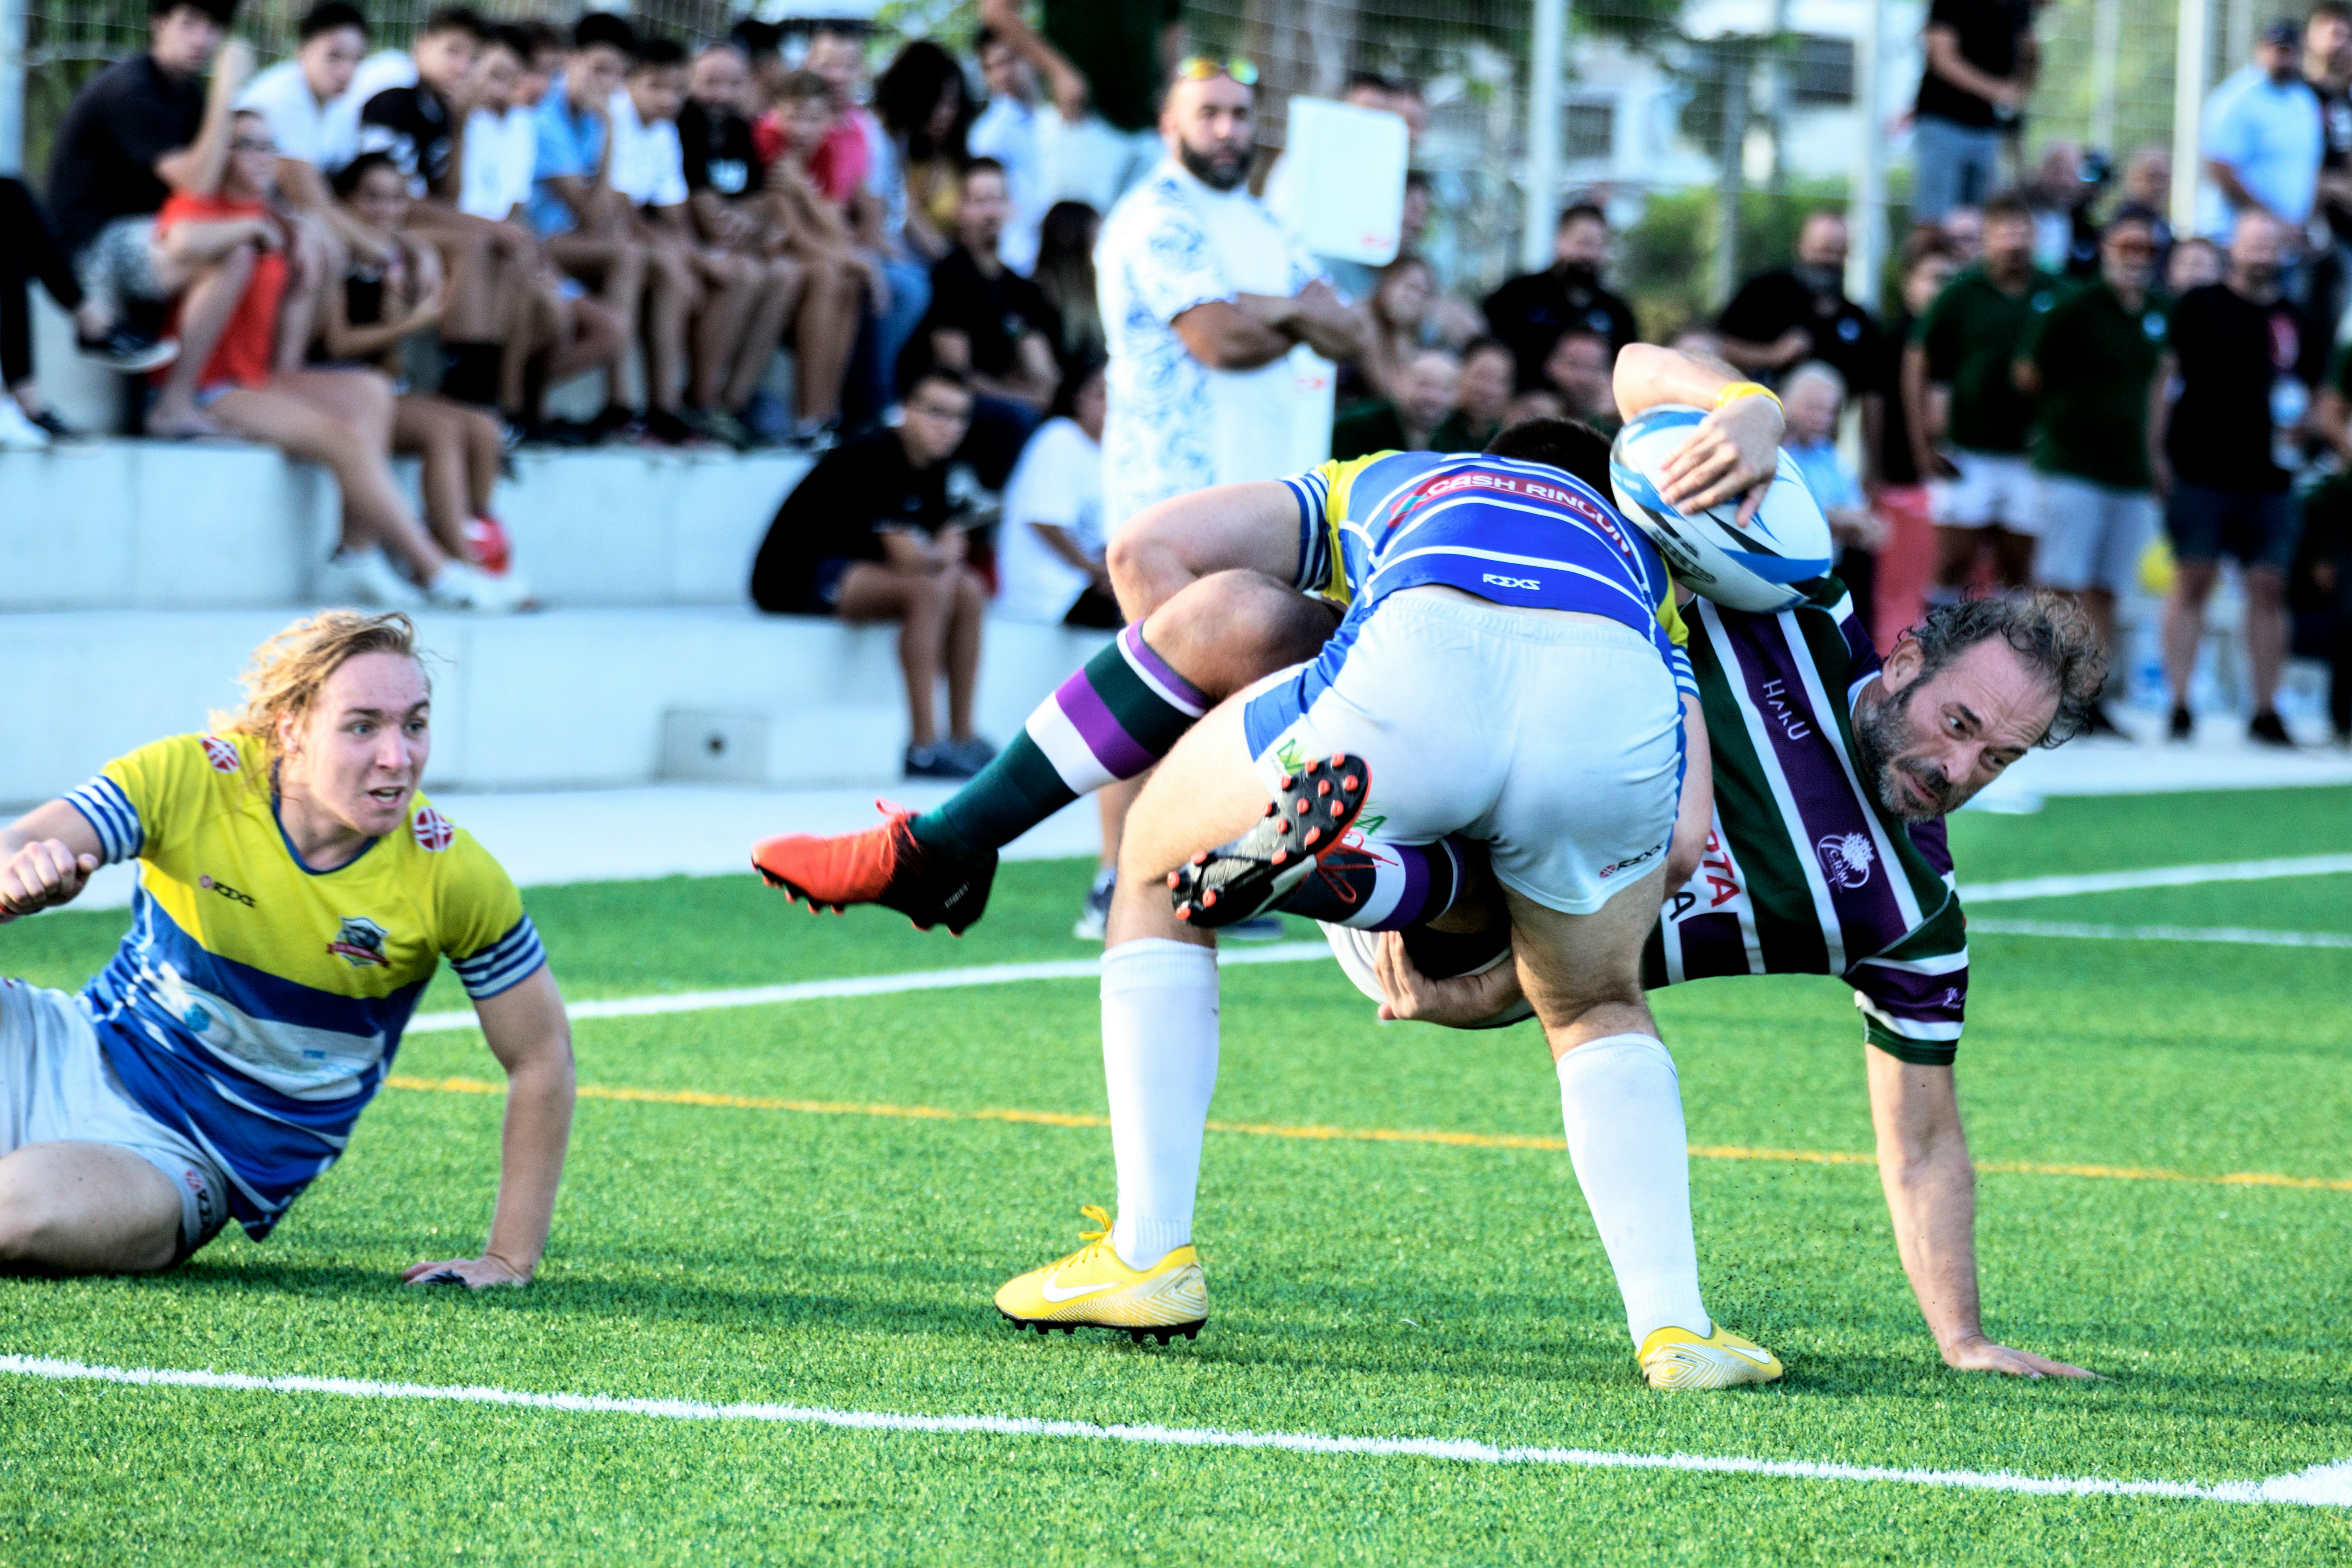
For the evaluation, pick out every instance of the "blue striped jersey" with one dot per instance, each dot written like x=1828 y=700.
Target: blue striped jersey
x=1519 y=534
x=257 y=1003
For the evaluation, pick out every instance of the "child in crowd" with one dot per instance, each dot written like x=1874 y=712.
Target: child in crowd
x=253 y=385
x=369 y=318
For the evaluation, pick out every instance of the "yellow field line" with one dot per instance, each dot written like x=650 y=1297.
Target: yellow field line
x=1354 y=1134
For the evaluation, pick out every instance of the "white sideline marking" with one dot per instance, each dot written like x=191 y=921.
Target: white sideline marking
x=2245 y=934
x=866 y=985
x=2328 y=1486
x=2155 y=877
x=1305 y=951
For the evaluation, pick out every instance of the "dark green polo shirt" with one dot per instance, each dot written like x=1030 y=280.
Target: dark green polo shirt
x=2095 y=359
x=1971 y=334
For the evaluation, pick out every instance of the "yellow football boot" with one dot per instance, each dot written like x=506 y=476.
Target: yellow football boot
x=1676 y=1358
x=1091 y=1288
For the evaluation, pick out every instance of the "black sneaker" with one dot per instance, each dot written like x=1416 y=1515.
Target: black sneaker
x=1310 y=810
x=937 y=762
x=125 y=350
x=2183 y=725
x=668 y=429
x=2267 y=730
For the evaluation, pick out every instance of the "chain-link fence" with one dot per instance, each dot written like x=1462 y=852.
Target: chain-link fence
x=1707 y=127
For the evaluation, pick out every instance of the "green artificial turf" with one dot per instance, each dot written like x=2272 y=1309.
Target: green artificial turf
x=1387 y=1289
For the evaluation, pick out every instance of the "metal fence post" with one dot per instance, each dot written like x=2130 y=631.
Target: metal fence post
x=1866 y=262
x=12 y=87
x=1547 y=63
x=2193 y=50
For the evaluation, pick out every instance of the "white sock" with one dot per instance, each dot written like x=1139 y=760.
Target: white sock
x=1622 y=1105
x=1160 y=1064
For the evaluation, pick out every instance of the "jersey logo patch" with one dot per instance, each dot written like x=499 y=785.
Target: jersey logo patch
x=361 y=944
x=1847 y=858
x=433 y=831
x=221 y=754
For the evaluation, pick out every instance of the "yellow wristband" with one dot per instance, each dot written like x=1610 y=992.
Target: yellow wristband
x=1746 y=389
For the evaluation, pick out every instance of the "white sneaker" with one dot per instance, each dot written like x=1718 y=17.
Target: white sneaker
x=365 y=577
x=18 y=434
x=462 y=587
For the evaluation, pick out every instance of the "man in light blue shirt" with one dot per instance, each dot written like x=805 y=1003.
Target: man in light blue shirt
x=2264 y=139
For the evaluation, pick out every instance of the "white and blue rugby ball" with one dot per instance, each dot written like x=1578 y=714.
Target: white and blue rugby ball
x=1766 y=565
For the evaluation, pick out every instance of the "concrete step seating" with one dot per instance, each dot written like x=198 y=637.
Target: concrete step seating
x=115 y=524
x=563 y=698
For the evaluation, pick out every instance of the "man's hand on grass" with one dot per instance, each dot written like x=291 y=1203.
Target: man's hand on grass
x=1977 y=1354
x=474 y=1273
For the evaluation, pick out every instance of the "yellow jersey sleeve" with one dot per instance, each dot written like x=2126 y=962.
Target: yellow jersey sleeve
x=479 y=919
x=155 y=794
x=1325 y=492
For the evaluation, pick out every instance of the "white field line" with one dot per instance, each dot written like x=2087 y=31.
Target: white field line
x=2155 y=877
x=2322 y=1486
x=866 y=985
x=2248 y=935
x=1303 y=952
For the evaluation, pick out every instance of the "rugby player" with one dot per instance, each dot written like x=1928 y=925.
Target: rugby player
x=1826 y=855
x=296 y=894
x=1488 y=599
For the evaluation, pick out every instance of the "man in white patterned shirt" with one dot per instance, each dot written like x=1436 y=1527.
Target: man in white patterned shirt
x=1219 y=327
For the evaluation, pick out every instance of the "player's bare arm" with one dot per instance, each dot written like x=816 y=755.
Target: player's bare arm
x=1735 y=450
x=532 y=1037
x=47 y=857
x=1930 y=1185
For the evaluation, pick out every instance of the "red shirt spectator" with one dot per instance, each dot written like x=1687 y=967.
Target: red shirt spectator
x=243 y=356
x=838 y=167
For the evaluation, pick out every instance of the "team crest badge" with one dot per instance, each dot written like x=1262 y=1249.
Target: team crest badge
x=1847 y=858
x=361 y=944
x=433 y=831
x=221 y=754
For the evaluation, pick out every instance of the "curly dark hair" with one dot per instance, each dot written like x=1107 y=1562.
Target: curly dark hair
x=2048 y=631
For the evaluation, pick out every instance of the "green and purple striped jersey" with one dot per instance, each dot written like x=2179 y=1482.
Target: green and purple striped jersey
x=1803 y=873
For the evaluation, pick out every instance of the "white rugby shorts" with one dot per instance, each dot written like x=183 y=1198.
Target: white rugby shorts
x=1995 y=489
x=1556 y=741
x=2092 y=536
x=55 y=1088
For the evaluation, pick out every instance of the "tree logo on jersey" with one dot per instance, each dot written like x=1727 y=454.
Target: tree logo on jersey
x=221 y=754
x=361 y=944
x=433 y=831
x=1847 y=858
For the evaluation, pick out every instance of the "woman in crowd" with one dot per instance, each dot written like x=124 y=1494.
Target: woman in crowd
x=1406 y=320
x=254 y=385
x=368 y=319
x=1065 y=272
x=925 y=108
x=217 y=1066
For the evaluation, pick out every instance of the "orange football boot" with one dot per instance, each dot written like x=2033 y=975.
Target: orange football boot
x=886 y=865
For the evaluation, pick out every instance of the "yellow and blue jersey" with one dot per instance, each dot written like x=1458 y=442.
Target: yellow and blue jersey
x=256 y=1003
x=1516 y=532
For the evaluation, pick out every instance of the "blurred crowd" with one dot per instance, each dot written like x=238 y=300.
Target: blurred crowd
x=1040 y=284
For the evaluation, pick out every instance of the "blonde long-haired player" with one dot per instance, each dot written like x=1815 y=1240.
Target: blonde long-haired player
x=296 y=894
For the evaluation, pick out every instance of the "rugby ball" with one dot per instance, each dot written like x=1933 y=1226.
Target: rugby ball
x=1764 y=565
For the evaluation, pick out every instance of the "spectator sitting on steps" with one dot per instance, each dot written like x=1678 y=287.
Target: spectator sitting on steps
x=253 y=385
x=869 y=535
x=366 y=315
x=140 y=131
